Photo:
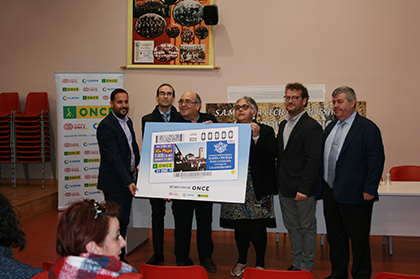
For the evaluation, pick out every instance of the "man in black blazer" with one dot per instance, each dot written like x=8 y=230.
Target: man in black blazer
x=352 y=167
x=300 y=141
x=120 y=157
x=183 y=210
x=163 y=112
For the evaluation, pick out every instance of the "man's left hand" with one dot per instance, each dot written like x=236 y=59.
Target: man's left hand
x=133 y=188
x=367 y=197
x=300 y=197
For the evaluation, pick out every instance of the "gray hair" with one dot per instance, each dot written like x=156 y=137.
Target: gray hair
x=250 y=102
x=350 y=94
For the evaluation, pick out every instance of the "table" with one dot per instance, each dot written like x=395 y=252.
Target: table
x=396 y=213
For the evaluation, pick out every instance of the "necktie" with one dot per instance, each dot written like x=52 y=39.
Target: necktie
x=332 y=158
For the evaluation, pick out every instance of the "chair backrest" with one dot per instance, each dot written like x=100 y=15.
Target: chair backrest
x=9 y=101
x=387 y=275
x=405 y=173
x=173 y=272
x=36 y=102
x=255 y=273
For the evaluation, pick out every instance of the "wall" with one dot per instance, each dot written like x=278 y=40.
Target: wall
x=371 y=46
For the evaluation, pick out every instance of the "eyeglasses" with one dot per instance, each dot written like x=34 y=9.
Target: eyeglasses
x=294 y=98
x=99 y=208
x=187 y=101
x=163 y=94
x=244 y=107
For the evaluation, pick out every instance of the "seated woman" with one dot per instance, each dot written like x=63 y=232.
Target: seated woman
x=89 y=243
x=11 y=236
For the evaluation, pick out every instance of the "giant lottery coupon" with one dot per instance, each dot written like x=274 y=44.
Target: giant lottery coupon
x=197 y=161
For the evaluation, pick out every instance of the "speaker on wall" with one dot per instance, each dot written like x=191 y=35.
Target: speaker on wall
x=211 y=15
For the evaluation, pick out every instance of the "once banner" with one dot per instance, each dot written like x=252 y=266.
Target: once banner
x=206 y=162
x=82 y=101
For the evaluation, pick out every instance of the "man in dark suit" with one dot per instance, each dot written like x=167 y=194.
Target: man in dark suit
x=183 y=210
x=119 y=157
x=163 y=112
x=352 y=167
x=300 y=141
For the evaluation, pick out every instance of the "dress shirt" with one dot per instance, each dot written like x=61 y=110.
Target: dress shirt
x=129 y=136
x=346 y=127
x=288 y=128
x=166 y=116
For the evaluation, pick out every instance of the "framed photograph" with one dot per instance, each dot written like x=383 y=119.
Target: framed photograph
x=169 y=34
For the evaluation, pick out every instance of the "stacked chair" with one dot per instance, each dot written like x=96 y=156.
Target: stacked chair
x=32 y=136
x=9 y=102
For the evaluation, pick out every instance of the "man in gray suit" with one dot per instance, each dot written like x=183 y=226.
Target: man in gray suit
x=300 y=141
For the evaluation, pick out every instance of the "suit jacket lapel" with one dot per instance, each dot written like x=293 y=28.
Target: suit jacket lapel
x=280 y=134
x=296 y=129
x=352 y=132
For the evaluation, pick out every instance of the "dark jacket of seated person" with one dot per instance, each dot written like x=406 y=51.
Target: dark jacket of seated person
x=11 y=236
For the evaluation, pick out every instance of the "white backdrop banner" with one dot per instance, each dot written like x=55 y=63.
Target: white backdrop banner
x=82 y=101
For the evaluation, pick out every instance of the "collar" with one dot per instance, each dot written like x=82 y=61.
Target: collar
x=125 y=119
x=296 y=118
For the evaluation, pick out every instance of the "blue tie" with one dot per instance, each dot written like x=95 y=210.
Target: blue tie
x=332 y=158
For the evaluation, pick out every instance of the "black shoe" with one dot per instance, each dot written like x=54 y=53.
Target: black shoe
x=155 y=259
x=186 y=262
x=208 y=265
x=292 y=268
x=335 y=276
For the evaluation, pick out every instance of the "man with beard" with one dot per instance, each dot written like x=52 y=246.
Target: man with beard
x=119 y=157
x=163 y=112
x=300 y=141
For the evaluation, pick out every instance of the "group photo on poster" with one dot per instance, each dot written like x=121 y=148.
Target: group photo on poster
x=169 y=34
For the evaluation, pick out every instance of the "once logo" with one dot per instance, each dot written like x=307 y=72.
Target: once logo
x=68 y=126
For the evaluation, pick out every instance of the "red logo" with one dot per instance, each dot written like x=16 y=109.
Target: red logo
x=86 y=89
x=71 y=169
x=67 y=194
x=80 y=126
x=66 y=80
x=105 y=98
x=68 y=126
x=87 y=152
x=87 y=176
x=74 y=144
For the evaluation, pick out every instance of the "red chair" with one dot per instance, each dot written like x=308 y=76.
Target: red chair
x=9 y=103
x=33 y=135
x=173 y=272
x=388 y=275
x=255 y=273
x=405 y=173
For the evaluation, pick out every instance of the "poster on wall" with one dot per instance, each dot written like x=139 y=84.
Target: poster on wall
x=272 y=114
x=169 y=34
x=82 y=102
x=197 y=161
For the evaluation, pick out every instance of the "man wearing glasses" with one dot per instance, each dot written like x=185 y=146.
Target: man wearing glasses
x=300 y=141
x=183 y=210
x=163 y=112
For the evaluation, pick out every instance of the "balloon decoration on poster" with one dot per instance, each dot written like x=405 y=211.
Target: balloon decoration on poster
x=170 y=34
